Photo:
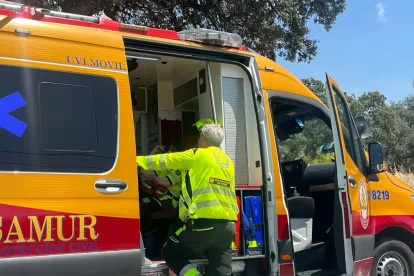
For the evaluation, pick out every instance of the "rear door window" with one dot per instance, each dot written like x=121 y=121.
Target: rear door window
x=53 y=121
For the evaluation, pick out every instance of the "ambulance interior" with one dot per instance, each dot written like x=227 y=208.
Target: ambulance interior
x=306 y=155
x=169 y=95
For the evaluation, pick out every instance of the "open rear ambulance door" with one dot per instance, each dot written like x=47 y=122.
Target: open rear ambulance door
x=269 y=175
x=352 y=229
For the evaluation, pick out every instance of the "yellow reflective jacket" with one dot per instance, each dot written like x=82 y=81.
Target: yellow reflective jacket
x=174 y=176
x=208 y=189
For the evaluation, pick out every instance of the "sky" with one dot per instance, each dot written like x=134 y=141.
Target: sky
x=370 y=47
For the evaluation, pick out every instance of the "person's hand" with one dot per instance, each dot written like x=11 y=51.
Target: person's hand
x=163 y=181
x=158 y=149
x=149 y=174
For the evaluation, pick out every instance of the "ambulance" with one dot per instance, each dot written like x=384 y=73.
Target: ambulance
x=81 y=96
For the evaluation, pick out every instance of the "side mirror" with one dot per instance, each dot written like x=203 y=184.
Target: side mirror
x=363 y=128
x=376 y=157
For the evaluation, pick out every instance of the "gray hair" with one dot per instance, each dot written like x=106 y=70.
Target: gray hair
x=214 y=134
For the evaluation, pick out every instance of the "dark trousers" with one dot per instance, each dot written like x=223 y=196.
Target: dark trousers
x=150 y=205
x=208 y=236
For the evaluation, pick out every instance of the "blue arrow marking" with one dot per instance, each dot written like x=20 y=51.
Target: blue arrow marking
x=8 y=104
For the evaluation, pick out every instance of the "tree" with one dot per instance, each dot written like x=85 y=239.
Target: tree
x=274 y=27
x=391 y=124
x=372 y=102
x=317 y=87
x=355 y=105
x=394 y=133
x=307 y=144
x=406 y=109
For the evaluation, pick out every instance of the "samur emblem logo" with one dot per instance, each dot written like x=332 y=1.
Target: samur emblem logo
x=363 y=204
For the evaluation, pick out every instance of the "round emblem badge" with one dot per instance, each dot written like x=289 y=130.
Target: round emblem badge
x=363 y=204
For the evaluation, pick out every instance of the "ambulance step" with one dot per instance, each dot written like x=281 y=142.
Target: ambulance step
x=320 y=272
x=159 y=268
x=155 y=269
x=248 y=257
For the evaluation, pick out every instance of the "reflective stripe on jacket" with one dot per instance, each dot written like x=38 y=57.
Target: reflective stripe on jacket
x=174 y=176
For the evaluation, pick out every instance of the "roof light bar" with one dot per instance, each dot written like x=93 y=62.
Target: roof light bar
x=40 y=11
x=10 y=6
x=212 y=37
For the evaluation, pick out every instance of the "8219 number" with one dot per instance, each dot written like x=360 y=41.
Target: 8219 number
x=380 y=195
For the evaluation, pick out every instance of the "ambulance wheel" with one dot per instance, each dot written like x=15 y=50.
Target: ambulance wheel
x=393 y=258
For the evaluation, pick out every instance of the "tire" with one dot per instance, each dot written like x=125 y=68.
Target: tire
x=394 y=257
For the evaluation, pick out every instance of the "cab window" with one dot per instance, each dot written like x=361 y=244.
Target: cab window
x=305 y=146
x=352 y=142
x=302 y=134
x=57 y=121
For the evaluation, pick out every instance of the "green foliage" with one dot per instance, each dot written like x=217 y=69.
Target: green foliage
x=319 y=158
x=356 y=106
x=269 y=27
x=317 y=87
x=316 y=133
x=372 y=102
x=391 y=124
x=305 y=145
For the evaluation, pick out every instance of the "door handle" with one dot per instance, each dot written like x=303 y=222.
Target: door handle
x=110 y=186
x=352 y=181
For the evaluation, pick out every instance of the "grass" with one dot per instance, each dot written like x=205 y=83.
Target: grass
x=406 y=177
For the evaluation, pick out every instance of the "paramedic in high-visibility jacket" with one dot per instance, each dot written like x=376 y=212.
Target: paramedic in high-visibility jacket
x=207 y=205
